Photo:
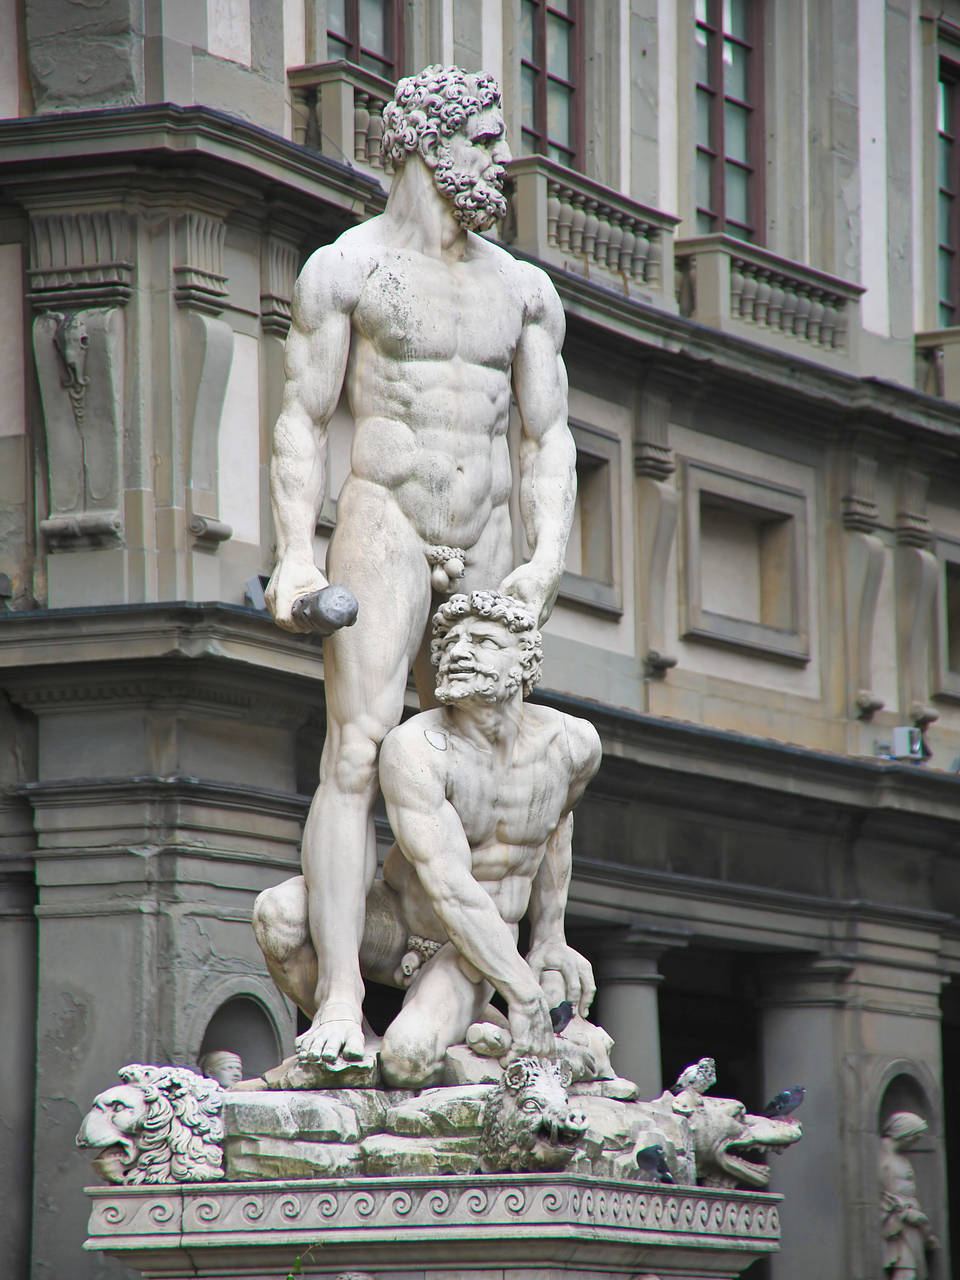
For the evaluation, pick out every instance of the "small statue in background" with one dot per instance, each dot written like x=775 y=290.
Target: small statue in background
x=907 y=1237
x=223 y=1066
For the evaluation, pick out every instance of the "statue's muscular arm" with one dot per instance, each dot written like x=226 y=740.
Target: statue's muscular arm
x=315 y=360
x=430 y=835
x=548 y=456
x=548 y=898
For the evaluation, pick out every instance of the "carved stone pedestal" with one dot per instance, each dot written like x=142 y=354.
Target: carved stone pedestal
x=498 y=1227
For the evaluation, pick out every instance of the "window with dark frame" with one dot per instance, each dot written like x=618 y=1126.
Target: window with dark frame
x=948 y=196
x=729 y=126
x=367 y=32
x=551 y=80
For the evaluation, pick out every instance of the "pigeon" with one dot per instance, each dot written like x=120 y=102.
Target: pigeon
x=653 y=1165
x=785 y=1103
x=699 y=1077
x=561 y=1016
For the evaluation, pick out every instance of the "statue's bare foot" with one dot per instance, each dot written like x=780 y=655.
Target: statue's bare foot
x=336 y=1043
x=487 y=1040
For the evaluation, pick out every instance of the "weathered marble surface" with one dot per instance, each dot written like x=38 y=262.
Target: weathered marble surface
x=429 y=329
x=480 y=793
x=424 y=1228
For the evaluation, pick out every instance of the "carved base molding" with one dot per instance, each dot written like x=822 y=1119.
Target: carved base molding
x=562 y=1225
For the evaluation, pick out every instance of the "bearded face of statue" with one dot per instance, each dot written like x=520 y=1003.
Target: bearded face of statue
x=480 y=660
x=469 y=170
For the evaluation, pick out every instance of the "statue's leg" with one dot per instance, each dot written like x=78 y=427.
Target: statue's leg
x=440 y=1004
x=380 y=558
x=282 y=933
x=282 y=930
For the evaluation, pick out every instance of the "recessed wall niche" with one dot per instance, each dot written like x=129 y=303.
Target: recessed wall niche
x=745 y=563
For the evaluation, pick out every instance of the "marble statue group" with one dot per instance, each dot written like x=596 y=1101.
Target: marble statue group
x=429 y=327
x=432 y=332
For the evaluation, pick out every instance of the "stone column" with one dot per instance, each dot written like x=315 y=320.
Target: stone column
x=847 y=1027
x=627 y=1006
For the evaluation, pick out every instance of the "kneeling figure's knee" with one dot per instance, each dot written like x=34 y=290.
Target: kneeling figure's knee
x=406 y=1063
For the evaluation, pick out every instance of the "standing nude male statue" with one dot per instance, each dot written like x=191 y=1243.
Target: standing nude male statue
x=480 y=793
x=907 y=1238
x=428 y=327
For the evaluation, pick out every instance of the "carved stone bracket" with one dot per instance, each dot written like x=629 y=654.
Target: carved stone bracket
x=207 y=357
x=863 y=572
x=917 y=573
x=80 y=368
x=657 y=507
x=198 y=274
x=278 y=275
x=81 y=259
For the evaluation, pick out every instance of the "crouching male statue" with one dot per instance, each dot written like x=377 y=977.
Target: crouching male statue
x=427 y=327
x=479 y=792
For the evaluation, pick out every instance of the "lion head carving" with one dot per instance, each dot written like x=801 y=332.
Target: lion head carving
x=161 y=1125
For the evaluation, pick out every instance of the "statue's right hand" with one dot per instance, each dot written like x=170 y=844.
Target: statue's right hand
x=530 y=1028
x=290 y=580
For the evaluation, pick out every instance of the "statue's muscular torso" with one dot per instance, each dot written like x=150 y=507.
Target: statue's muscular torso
x=428 y=383
x=508 y=811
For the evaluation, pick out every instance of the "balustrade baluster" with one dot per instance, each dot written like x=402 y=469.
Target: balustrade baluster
x=375 y=133
x=361 y=122
x=642 y=244
x=749 y=290
x=564 y=218
x=789 y=308
x=815 y=318
x=625 y=263
x=615 y=241
x=828 y=321
x=802 y=315
x=775 y=301
x=577 y=222
x=736 y=286
x=653 y=270
x=553 y=211
x=761 y=302
x=590 y=224
x=603 y=234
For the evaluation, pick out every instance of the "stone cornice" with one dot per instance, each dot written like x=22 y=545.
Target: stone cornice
x=53 y=152
x=123 y=634
x=855 y=786
x=525 y=1219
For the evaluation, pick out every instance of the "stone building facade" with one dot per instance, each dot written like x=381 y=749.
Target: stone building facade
x=751 y=211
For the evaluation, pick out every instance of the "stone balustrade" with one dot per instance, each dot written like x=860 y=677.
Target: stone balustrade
x=938 y=362
x=564 y=218
x=337 y=110
x=736 y=286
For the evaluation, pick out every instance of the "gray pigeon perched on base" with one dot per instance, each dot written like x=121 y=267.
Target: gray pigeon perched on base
x=699 y=1077
x=653 y=1165
x=785 y=1102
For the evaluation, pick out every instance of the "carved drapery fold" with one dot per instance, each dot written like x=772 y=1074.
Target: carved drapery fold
x=657 y=508
x=863 y=572
x=917 y=573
